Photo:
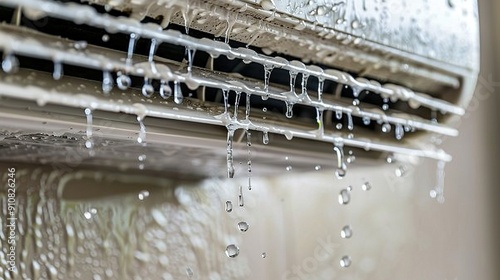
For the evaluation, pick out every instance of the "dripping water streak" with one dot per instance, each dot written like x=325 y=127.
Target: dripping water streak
x=107 y=82
x=249 y=162
x=89 y=142
x=321 y=84
x=190 y=54
x=230 y=164
x=226 y=103
x=265 y=137
x=319 y=120
x=293 y=76
x=236 y=104
x=241 y=203
x=131 y=46
x=58 y=71
x=247 y=109
x=178 y=97
x=142 y=132
x=350 y=124
x=289 y=109
x=268 y=69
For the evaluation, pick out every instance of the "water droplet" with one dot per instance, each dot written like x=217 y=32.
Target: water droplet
x=143 y=195
x=338 y=126
x=366 y=120
x=10 y=64
x=366 y=186
x=399 y=132
x=349 y=188
x=293 y=76
x=389 y=159
x=142 y=131
x=190 y=53
x=123 y=81
x=243 y=226
x=289 y=168
x=265 y=137
x=229 y=206
x=346 y=232
x=267 y=75
x=165 y=90
x=178 y=97
x=289 y=110
x=232 y=251
x=400 y=171
x=338 y=115
x=341 y=166
x=105 y=38
x=236 y=104
x=344 y=197
x=263 y=255
x=317 y=167
x=80 y=45
x=89 y=143
x=264 y=109
x=345 y=261
x=386 y=128
x=147 y=88
x=385 y=106
x=58 y=71
x=87 y=215
x=107 y=82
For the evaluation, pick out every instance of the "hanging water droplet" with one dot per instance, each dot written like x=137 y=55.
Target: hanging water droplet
x=131 y=46
x=107 y=82
x=123 y=81
x=400 y=171
x=346 y=232
x=338 y=115
x=289 y=168
x=58 y=71
x=386 y=128
x=399 y=132
x=366 y=121
x=385 y=106
x=265 y=137
x=165 y=90
x=289 y=110
x=366 y=186
x=143 y=195
x=389 y=158
x=190 y=54
x=341 y=166
x=345 y=261
x=344 y=197
x=232 y=251
x=350 y=124
x=243 y=226
x=293 y=76
x=229 y=206
x=147 y=88
x=267 y=75
x=263 y=255
x=10 y=64
x=178 y=97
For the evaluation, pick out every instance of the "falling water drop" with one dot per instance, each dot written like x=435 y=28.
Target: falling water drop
x=366 y=186
x=147 y=88
x=241 y=202
x=236 y=104
x=399 y=131
x=263 y=255
x=346 y=232
x=178 y=97
x=350 y=124
x=142 y=132
x=317 y=167
x=243 y=226
x=107 y=82
x=289 y=109
x=344 y=197
x=400 y=171
x=165 y=90
x=386 y=128
x=89 y=143
x=230 y=165
x=351 y=158
x=232 y=251
x=143 y=195
x=289 y=168
x=105 y=38
x=265 y=138
x=345 y=261
x=58 y=70
x=229 y=206
x=123 y=81
x=10 y=64
x=385 y=106
x=434 y=117
x=366 y=120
